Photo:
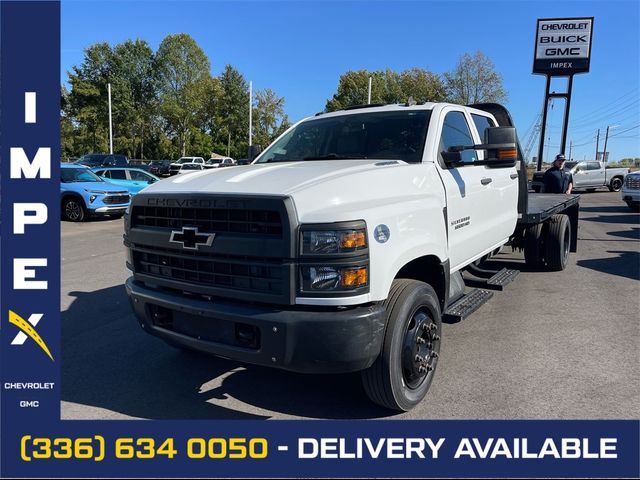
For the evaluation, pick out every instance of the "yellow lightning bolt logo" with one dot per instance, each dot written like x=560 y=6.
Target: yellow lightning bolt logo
x=28 y=330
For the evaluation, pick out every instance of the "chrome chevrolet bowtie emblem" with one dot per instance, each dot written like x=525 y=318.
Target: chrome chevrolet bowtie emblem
x=191 y=239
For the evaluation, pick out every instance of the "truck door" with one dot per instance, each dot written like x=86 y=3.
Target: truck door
x=596 y=174
x=580 y=175
x=503 y=188
x=468 y=190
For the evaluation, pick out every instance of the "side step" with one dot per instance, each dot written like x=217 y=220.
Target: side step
x=497 y=282
x=466 y=305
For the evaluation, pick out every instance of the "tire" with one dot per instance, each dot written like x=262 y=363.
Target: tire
x=534 y=252
x=73 y=210
x=615 y=185
x=536 y=189
x=557 y=243
x=397 y=380
x=634 y=206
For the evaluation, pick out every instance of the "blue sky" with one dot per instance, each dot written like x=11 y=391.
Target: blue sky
x=299 y=49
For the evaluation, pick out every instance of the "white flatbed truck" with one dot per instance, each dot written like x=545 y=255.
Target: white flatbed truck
x=342 y=247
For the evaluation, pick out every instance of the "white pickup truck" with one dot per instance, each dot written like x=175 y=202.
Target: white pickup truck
x=588 y=176
x=343 y=246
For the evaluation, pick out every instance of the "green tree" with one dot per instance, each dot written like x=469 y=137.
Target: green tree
x=387 y=87
x=135 y=99
x=86 y=104
x=233 y=111
x=183 y=71
x=269 y=117
x=475 y=80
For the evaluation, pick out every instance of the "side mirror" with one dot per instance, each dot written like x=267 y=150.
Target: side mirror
x=254 y=151
x=500 y=144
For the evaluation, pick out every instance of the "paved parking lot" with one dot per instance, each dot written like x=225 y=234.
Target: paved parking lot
x=553 y=345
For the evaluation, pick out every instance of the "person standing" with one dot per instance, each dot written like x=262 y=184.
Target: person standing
x=557 y=179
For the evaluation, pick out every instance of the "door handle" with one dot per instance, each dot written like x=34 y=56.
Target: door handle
x=513 y=176
x=486 y=181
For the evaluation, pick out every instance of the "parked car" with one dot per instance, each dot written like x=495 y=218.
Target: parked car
x=160 y=167
x=243 y=161
x=631 y=190
x=133 y=179
x=588 y=176
x=190 y=168
x=85 y=194
x=177 y=165
x=220 y=162
x=103 y=160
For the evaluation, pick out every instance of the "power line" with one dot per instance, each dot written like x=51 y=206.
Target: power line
x=609 y=105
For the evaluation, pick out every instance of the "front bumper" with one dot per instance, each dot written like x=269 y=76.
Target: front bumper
x=632 y=196
x=111 y=210
x=300 y=339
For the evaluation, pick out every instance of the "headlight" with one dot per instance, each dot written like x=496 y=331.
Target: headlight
x=326 y=242
x=324 y=278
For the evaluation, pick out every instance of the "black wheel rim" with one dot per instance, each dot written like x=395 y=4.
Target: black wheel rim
x=72 y=210
x=420 y=349
x=617 y=184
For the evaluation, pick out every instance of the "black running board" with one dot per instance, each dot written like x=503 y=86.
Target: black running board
x=497 y=282
x=466 y=305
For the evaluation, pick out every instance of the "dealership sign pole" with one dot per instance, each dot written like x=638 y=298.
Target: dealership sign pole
x=562 y=49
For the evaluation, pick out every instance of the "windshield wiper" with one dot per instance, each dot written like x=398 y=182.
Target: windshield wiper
x=335 y=156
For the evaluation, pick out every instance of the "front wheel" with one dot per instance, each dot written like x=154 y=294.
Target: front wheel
x=73 y=210
x=402 y=374
x=616 y=184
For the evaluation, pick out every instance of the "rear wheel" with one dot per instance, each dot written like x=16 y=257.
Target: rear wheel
x=558 y=241
x=534 y=246
x=73 y=210
x=401 y=376
x=616 y=184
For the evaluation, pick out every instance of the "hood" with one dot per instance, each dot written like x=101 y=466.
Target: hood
x=270 y=178
x=334 y=189
x=98 y=187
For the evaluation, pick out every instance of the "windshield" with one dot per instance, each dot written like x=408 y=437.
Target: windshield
x=191 y=166
x=374 y=135
x=570 y=165
x=185 y=160
x=70 y=175
x=213 y=161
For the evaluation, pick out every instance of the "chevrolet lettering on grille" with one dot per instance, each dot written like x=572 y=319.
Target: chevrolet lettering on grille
x=191 y=239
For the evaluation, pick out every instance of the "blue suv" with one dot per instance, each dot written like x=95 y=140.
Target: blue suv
x=84 y=194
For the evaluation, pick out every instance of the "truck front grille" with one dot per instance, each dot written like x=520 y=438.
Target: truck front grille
x=250 y=258
x=227 y=273
x=253 y=222
x=632 y=181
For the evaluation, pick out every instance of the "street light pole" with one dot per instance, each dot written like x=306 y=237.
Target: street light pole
x=597 y=145
x=250 y=108
x=110 y=122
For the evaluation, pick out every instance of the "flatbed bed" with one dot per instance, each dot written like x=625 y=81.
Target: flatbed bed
x=541 y=206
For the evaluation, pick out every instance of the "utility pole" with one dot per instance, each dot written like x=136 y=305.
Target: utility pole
x=570 y=148
x=110 y=122
x=606 y=138
x=597 y=145
x=369 y=94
